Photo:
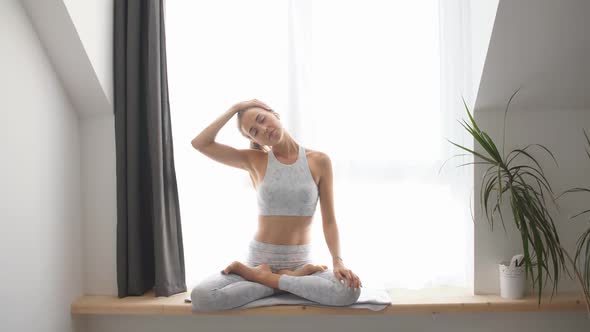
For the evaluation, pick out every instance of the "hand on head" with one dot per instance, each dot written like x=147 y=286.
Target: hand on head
x=244 y=105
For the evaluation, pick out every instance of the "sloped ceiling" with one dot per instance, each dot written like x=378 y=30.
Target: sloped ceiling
x=94 y=23
x=542 y=47
x=59 y=36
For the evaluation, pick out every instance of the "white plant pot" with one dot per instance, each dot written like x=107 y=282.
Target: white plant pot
x=512 y=281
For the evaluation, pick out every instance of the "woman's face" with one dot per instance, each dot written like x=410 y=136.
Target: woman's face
x=261 y=126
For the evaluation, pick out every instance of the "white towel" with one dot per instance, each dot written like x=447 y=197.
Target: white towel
x=373 y=299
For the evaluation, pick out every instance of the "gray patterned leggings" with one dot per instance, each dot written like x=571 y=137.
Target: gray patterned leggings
x=222 y=292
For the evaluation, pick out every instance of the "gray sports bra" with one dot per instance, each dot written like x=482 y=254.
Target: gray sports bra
x=287 y=190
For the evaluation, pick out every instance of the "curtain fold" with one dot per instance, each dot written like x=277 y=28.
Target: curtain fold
x=150 y=250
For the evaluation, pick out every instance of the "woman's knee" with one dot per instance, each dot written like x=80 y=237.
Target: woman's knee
x=346 y=296
x=342 y=295
x=203 y=299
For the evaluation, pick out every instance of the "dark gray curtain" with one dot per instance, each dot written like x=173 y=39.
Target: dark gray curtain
x=149 y=236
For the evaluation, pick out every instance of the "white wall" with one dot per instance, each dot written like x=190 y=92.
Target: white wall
x=85 y=30
x=40 y=242
x=93 y=21
x=99 y=203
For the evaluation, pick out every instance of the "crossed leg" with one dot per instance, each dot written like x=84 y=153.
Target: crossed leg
x=320 y=286
x=243 y=284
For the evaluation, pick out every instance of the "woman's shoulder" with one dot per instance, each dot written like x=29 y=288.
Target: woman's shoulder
x=311 y=155
x=315 y=153
x=315 y=156
x=257 y=154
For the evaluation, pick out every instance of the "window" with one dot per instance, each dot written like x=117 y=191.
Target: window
x=358 y=80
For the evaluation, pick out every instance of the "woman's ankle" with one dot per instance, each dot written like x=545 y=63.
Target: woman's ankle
x=269 y=279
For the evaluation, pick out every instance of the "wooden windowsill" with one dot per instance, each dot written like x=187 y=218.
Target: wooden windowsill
x=435 y=300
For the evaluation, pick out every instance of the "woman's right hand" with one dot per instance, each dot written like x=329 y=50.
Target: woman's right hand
x=244 y=105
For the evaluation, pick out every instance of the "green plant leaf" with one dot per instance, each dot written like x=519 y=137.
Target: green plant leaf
x=526 y=207
x=484 y=189
x=573 y=190
x=457 y=155
x=584 y=240
x=541 y=220
x=475 y=153
x=469 y=114
x=500 y=182
x=499 y=209
x=533 y=159
x=528 y=155
x=493 y=150
x=506 y=113
x=581 y=213
x=545 y=183
x=479 y=162
x=588 y=141
x=479 y=138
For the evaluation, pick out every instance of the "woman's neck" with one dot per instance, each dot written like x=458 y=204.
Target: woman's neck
x=286 y=147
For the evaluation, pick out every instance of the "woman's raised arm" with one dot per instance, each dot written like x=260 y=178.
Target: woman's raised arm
x=205 y=141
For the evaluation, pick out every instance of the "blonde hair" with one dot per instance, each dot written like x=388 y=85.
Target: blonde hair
x=254 y=145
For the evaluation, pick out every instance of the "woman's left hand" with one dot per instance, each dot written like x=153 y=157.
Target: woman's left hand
x=342 y=272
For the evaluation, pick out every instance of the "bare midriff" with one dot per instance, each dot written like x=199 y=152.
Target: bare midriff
x=285 y=230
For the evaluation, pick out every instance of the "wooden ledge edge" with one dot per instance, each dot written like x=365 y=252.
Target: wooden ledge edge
x=175 y=305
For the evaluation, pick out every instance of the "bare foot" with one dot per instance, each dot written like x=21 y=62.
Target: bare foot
x=247 y=272
x=305 y=270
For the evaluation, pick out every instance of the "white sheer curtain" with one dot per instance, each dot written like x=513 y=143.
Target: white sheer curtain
x=358 y=80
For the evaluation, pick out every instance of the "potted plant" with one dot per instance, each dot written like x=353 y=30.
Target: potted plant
x=583 y=244
x=516 y=182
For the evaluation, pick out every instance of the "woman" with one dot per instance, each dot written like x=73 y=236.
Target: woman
x=289 y=180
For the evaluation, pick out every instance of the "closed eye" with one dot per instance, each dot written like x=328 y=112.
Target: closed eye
x=260 y=121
